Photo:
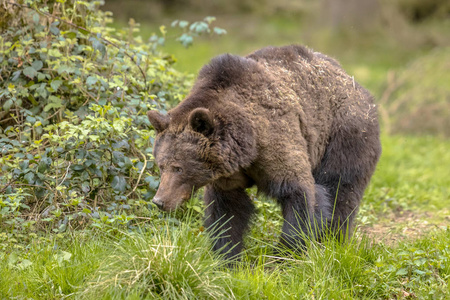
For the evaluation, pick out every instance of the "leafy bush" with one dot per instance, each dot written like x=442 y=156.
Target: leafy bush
x=74 y=138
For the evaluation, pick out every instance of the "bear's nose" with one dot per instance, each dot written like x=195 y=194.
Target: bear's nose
x=158 y=202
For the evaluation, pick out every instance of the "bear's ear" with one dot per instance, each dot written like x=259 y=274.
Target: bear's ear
x=158 y=121
x=202 y=121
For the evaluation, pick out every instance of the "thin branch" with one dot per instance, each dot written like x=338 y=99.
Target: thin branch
x=26 y=184
x=2 y=191
x=140 y=174
x=65 y=175
x=6 y=120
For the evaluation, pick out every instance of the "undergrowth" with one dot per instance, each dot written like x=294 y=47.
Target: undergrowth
x=172 y=258
x=157 y=263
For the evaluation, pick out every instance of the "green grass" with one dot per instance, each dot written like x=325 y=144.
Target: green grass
x=180 y=266
x=50 y=268
x=413 y=174
x=173 y=260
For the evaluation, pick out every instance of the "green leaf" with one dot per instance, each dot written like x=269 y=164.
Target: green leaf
x=119 y=183
x=67 y=69
x=44 y=164
x=97 y=44
x=210 y=19
x=77 y=167
x=152 y=181
x=37 y=65
x=199 y=27
x=197 y=208
x=219 y=31
x=7 y=105
x=24 y=164
x=83 y=31
x=163 y=29
x=32 y=100
x=70 y=35
x=183 y=24
x=24 y=264
x=91 y=80
x=54 y=103
x=36 y=18
x=186 y=40
x=41 y=76
x=55 y=84
x=30 y=72
x=85 y=187
x=80 y=154
x=29 y=178
x=54 y=29
x=62 y=256
x=54 y=53
x=86 y=210
x=419 y=272
x=66 y=255
x=16 y=75
x=402 y=272
x=12 y=259
x=42 y=91
x=22 y=205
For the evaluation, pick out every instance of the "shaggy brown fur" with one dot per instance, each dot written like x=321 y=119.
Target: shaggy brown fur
x=287 y=120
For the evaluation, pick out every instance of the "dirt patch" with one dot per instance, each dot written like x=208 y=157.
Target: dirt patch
x=404 y=225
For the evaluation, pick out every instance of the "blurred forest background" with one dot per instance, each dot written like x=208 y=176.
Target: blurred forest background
x=398 y=49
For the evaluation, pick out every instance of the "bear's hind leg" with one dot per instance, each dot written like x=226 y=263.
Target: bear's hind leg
x=345 y=171
x=322 y=212
x=344 y=197
x=228 y=215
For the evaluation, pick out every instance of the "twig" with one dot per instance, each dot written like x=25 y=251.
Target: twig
x=54 y=114
x=65 y=175
x=6 y=120
x=82 y=28
x=140 y=175
x=25 y=184
x=6 y=186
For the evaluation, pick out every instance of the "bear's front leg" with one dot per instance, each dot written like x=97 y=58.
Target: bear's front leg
x=228 y=215
x=297 y=203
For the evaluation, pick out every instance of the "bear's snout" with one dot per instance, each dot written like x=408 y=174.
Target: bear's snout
x=157 y=201
x=170 y=194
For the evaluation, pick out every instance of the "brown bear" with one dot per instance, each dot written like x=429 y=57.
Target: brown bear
x=287 y=120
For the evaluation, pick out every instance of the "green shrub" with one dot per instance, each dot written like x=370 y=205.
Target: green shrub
x=75 y=142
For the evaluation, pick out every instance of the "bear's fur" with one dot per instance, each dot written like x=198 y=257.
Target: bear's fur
x=288 y=120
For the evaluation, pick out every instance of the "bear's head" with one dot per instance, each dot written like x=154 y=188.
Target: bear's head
x=183 y=156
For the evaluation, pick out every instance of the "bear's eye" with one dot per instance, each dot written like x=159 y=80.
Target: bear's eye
x=177 y=169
